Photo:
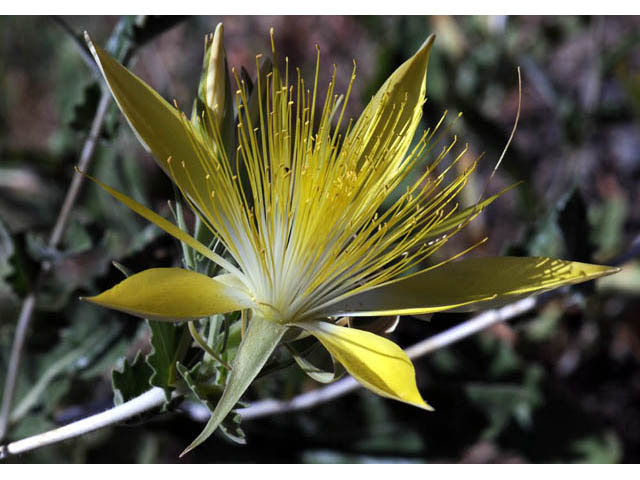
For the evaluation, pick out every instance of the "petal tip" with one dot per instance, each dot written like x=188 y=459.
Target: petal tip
x=90 y=44
x=425 y=48
x=429 y=41
x=186 y=450
x=420 y=403
x=90 y=299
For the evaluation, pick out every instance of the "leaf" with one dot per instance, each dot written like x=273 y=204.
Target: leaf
x=153 y=25
x=167 y=347
x=133 y=380
x=8 y=299
x=594 y=449
x=6 y=251
x=504 y=402
x=81 y=346
x=258 y=344
x=84 y=113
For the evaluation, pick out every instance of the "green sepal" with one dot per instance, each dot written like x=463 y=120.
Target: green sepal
x=315 y=364
x=209 y=394
x=260 y=340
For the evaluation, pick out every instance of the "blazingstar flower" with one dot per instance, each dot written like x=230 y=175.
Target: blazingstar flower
x=298 y=206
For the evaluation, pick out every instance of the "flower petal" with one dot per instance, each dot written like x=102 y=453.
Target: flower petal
x=377 y=363
x=467 y=285
x=167 y=226
x=173 y=294
x=258 y=343
x=407 y=85
x=158 y=125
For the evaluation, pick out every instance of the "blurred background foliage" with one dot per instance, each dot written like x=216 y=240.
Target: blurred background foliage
x=561 y=384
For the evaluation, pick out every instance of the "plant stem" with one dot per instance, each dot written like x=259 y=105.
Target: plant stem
x=147 y=401
x=14 y=361
x=155 y=397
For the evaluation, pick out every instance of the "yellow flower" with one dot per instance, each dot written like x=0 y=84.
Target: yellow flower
x=296 y=203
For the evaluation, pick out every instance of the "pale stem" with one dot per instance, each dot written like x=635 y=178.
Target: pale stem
x=147 y=401
x=155 y=397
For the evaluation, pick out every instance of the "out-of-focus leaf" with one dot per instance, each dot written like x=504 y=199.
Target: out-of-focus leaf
x=384 y=435
x=8 y=299
x=84 y=112
x=543 y=327
x=608 y=221
x=599 y=449
x=627 y=281
x=80 y=346
x=546 y=239
x=149 y=26
x=503 y=402
x=445 y=360
x=504 y=359
x=133 y=380
x=73 y=271
x=6 y=251
x=76 y=238
x=38 y=249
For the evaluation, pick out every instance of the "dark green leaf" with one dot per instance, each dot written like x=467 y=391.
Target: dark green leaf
x=504 y=402
x=601 y=449
x=168 y=342
x=133 y=380
x=84 y=113
x=151 y=26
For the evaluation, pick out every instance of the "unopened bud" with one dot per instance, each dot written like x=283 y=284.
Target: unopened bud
x=216 y=76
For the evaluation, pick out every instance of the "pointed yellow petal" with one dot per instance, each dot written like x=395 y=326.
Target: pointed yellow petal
x=158 y=125
x=467 y=285
x=377 y=363
x=406 y=84
x=167 y=226
x=173 y=294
